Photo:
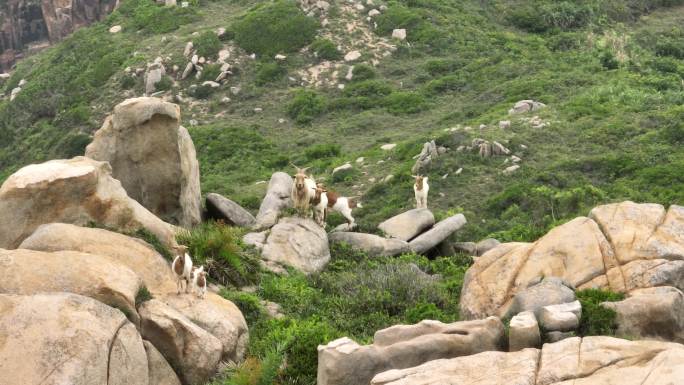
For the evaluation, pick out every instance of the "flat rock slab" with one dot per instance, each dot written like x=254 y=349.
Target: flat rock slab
x=371 y=244
x=437 y=234
x=222 y=208
x=562 y=317
x=408 y=225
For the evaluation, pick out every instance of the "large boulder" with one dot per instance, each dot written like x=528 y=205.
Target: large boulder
x=437 y=234
x=193 y=352
x=224 y=209
x=77 y=191
x=133 y=253
x=562 y=317
x=408 y=225
x=523 y=332
x=29 y=272
x=153 y=156
x=299 y=243
x=344 y=362
x=486 y=368
x=160 y=372
x=656 y=312
x=277 y=198
x=523 y=106
x=219 y=317
x=62 y=338
x=371 y=244
x=626 y=246
x=550 y=291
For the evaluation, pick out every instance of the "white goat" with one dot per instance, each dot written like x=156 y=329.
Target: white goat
x=421 y=189
x=199 y=282
x=302 y=191
x=182 y=268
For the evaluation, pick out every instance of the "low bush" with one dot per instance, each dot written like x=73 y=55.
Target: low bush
x=320 y=151
x=363 y=72
x=249 y=304
x=597 y=320
x=207 y=44
x=405 y=102
x=152 y=17
x=164 y=84
x=325 y=50
x=219 y=249
x=305 y=106
x=143 y=295
x=276 y=27
x=269 y=72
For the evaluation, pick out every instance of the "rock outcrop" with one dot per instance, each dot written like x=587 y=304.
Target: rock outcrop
x=299 y=243
x=550 y=291
x=224 y=209
x=277 y=198
x=573 y=361
x=408 y=224
x=29 y=24
x=621 y=247
x=344 y=362
x=371 y=244
x=51 y=338
x=160 y=372
x=153 y=156
x=441 y=231
x=78 y=191
x=523 y=332
x=29 y=272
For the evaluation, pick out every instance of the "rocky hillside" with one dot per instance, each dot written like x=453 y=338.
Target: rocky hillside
x=550 y=133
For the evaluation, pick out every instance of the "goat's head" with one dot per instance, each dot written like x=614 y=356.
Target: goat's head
x=180 y=250
x=300 y=177
x=419 y=181
x=318 y=191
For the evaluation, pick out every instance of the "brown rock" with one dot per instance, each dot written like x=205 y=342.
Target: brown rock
x=160 y=372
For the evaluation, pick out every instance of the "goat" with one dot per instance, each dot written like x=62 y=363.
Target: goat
x=342 y=205
x=182 y=268
x=420 y=190
x=320 y=205
x=302 y=191
x=199 y=282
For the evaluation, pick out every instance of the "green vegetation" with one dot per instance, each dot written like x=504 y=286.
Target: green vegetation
x=207 y=44
x=305 y=106
x=596 y=319
x=269 y=72
x=325 y=50
x=277 y=27
x=142 y=296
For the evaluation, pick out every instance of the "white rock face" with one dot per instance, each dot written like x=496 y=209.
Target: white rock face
x=277 y=198
x=523 y=332
x=562 y=317
x=343 y=167
x=299 y=243
x=399 y=33
x=526 y=106
x=408 y=225
x=153 y=156
x=352 y=56
x=115 y=29
x=387 y=147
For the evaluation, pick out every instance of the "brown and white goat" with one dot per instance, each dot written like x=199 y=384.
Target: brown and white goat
x=420 y=190
x=199 y=282
x=182 y=268
x=302 y=192
x=319 y=204
x=342 y=205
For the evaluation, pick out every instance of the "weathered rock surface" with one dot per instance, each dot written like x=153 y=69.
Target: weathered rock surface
x=550 y=291
x=486 y=368
x=219 y=317
x=52 y=338
x=299 y=243
x=277 y=198
x=408 y=224
x=153 y=156
x=28 y=272
x=437 y=234
x=77 y=191
x=222 y=208
x=344 y=362
x=133 y=253
x=573 y=361
x=371 y=244
x=656 y=312
x=624 y=247
x=29 y=23
x=523 y=106
x=190 y=349
x=523 y=332
x=160 y=372
x=562 y=317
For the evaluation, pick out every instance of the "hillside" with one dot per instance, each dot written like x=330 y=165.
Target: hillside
x=610 y=74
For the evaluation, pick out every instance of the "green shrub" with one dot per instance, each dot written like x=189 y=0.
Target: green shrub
x=405 y=102
x=397 y=17
x=439 y=67
x=597 y=320
x=305 y=106
x=152 y=17
x=349 y=176
x=127 y=82
x=608 y=60
x=269 y=72
x=207 y=44
x=164 y=84
x=445 y=84
x=142 y=296
x=363 y=72
x=277 y=27
x=425 y=311
x=210 y=72
x=325 y=50
x=201 y=91
x=152 y=239
x=249 y=304
x=544 y=16
x=218 y=247
x=320 y=151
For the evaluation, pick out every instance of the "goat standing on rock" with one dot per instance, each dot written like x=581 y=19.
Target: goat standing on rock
x=420 y=189
x=182 y=268
x=302 y=193
x=199 y=282
x=329 y=200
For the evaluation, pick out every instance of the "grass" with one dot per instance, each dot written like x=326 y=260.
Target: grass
x=597 y=320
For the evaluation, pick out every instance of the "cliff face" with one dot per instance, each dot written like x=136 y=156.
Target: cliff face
x=31 y=24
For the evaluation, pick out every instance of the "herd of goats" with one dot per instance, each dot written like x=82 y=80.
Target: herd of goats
x=306 y=195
